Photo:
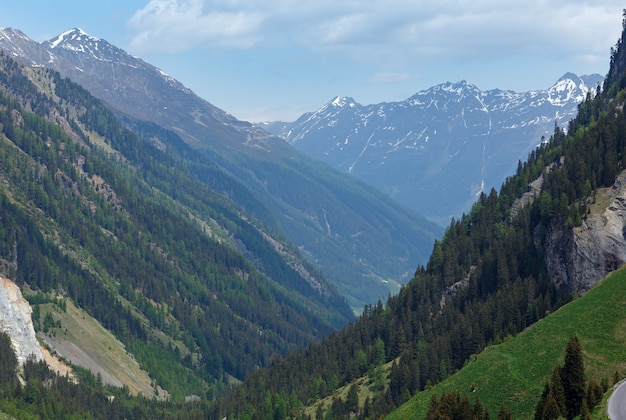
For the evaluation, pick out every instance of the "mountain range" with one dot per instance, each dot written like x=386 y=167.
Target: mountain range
x=553 y=231
x=187 y=281
x=436 y=151
x=194 y=281
x=362 y=241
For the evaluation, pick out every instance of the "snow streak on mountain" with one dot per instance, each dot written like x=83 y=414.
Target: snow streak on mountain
x=439 y=149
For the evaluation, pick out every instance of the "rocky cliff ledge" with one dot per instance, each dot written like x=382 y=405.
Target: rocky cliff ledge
x=15 y=320
x=579 y=258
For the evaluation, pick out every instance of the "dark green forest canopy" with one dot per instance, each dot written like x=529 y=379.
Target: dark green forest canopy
x=94 y=212
x=486 y=278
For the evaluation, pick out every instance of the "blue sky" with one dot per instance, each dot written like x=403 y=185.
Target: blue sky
x=275 y=59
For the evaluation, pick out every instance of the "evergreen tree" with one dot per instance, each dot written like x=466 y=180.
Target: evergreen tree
x=352 y=399
x=595 y=392
x=556 y=388
x=505 y=413
x=573 y=377
x=551 y=409
x=8 y=363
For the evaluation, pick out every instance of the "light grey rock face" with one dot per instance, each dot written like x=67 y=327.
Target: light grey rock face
x=579 y=258
x=15 y=320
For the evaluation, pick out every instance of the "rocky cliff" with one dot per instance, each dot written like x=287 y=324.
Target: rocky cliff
x=15 y=320
x=579 y=258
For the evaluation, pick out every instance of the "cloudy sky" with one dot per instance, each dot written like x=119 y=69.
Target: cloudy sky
x=275 y=59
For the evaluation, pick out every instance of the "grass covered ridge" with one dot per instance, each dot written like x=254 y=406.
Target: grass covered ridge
x=514 y=371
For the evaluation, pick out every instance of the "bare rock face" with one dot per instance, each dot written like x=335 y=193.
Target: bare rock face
x=579 y=258
x=15 y=320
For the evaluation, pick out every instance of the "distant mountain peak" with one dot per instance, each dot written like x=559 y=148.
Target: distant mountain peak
x=460 y=83
x=455 y=86
x=569 y=87
x=570 y=76
x=71 y=37
x=11 y=33
x=341 y=101
x=80 y=42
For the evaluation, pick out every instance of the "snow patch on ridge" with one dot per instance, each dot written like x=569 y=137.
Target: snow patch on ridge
x=76 y=34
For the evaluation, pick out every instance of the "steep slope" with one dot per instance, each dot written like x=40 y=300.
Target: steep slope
x=197 y=289
x=490 y=277
x=436 y=151
x=525 y=363
x=363 y=242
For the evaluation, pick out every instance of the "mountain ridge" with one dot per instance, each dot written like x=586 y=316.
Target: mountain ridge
x=373 y=243
x=437 y=150
x=181 y=275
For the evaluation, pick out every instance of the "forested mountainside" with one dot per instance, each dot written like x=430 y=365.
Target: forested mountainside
x=363 y=242
x=486 y=279
x=196 y=288
x=516 y=372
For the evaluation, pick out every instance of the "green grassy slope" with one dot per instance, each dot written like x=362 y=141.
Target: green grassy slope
x=514 y=371
x=83 y=341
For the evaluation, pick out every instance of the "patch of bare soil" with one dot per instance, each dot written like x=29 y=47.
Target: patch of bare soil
x=75 y=355
x=82 y=341
x=55 y=364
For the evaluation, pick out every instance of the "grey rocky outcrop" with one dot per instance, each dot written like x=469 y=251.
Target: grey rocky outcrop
x=580 y=257
x=15 y=320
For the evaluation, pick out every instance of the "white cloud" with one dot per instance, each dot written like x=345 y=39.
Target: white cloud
x=178 y=25
x=375 y=30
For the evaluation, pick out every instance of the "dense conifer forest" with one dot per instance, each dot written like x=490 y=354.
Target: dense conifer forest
x=71 y=216
x=92 y=212
x=486 y=278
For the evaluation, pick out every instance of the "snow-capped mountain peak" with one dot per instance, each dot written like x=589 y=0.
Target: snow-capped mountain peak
x=80 y=42
x=456 y=87
x=341 y=101
x=73 y=36
x=11 y=34
x=452 y=138
x=568 y=88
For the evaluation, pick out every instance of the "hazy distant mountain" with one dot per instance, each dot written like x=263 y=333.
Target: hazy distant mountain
x=360 y=239
x=437 y=150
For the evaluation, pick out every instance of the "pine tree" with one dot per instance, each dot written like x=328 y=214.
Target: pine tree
x=352 y=399
x=505 y=413
x=573 y=377
x=8 y=362
x=556 y=388
x=551 y=409
x=595 y=393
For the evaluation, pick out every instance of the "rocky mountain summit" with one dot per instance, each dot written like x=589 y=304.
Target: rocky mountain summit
x=439 y=149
